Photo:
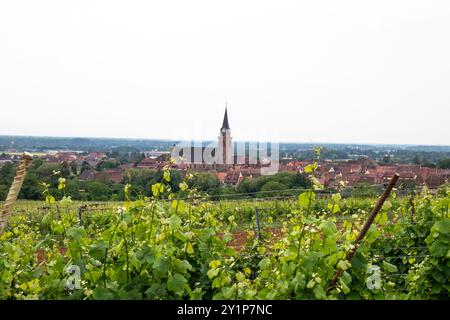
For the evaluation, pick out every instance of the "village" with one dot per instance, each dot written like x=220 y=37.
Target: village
x=97 y=166
x=231 y=169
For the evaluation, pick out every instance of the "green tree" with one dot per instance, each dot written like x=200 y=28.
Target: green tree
x=65 y=169
x=85 y=166
x=416 y=159
x=97 y=191
x=73 y=168
x=7 y=172
x=141 y=181
x=46 y=170
x=386 y=159
x=290 y=180
x=107 y=164
x=270 y=186
x=3 y=192
x=247 y=186
x=204 y=181
x=226 y=192
x=37 y=162
x=31 y=187
x=444 y=164
x=45 y=173
x=73 y=189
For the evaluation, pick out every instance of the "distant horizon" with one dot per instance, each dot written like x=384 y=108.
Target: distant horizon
x=234 y=140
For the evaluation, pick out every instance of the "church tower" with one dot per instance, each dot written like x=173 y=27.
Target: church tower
x=224 y=150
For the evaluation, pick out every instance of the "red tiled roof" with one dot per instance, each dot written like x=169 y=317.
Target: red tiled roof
x=221 y=176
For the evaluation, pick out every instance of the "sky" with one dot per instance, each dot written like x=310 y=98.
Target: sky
x=293 y=71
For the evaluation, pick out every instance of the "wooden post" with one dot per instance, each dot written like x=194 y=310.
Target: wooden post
x=15 y=189
x=258 y=226
x=413 y=208
x=80 y=218
x=366 y=227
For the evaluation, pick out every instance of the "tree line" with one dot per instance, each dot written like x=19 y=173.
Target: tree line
x=140 y=180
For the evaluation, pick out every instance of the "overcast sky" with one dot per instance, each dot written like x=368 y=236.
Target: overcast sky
x=302 y=71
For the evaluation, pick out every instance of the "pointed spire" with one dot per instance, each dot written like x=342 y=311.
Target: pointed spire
x=225 y=124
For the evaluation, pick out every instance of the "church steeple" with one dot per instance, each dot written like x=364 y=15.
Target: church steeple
x=225 y=124
x=224 y=145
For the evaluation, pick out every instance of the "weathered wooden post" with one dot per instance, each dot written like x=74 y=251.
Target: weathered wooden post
x=15 y=189
x=365 y=228
x=80 y=214
x=258 y=226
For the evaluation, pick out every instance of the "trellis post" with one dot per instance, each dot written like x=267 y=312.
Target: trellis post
x=365 y=228
x=14 y=191
x=258 y=226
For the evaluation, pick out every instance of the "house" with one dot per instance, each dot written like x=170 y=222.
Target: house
x=87 y=175
x=232 y=177
x=159 y=156
x=67 y=157
x=433 y=177
x=221 y=176
x=148 y=163
x=126 y=166
x=50 y=158
x=4 y=158
x=94 y=158
x=109 y=175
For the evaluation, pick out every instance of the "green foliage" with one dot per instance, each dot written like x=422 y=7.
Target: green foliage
x=97 y=191
x=273 y=186
x=3 y=192
x=444 y=163
x=161 y=246
x=279 y=181
x=204 y=181
x=107 y=164
x=306 y=198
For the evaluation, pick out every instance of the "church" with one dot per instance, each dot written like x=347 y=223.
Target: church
x=224 y=145
x=230 y=161
x=216 y=155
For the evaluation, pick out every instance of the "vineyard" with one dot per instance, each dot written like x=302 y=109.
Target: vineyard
x=180 y=246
